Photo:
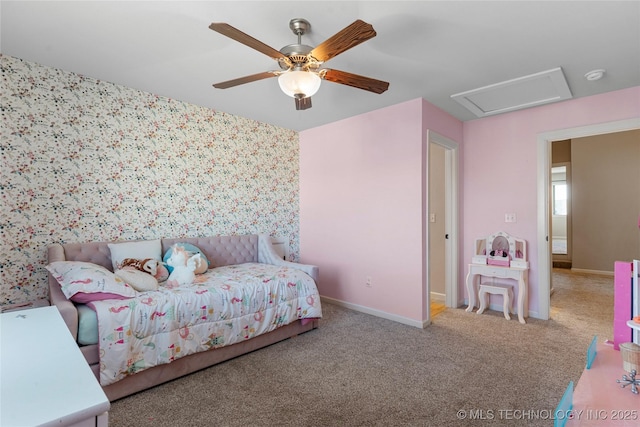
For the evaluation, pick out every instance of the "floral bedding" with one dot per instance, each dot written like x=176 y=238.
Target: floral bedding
x=224 y=306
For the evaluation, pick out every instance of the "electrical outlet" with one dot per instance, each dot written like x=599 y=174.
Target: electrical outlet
x=367 y=282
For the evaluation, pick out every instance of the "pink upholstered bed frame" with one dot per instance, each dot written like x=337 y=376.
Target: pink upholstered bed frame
x=219 y=250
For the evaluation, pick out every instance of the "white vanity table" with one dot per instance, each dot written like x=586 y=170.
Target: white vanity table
x=45 y=379
x=518 y=274
x=513 y=265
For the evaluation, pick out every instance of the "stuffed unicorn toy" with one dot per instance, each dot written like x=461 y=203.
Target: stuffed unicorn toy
x=183 y=265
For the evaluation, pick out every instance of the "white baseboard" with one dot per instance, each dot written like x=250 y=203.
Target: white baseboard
x=405 y=320
x=362 y=309
x=438 y=297
x=600 y=272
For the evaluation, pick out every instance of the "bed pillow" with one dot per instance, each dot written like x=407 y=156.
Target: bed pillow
x=138 y=250
x=82 y=282
x=201 y=267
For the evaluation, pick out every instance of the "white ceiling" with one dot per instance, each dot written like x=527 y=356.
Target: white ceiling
x=424 y=49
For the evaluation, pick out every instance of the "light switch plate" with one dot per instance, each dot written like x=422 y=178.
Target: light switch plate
x=510 y=217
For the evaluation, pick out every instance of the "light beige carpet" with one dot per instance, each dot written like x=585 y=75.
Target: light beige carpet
x=360 y=370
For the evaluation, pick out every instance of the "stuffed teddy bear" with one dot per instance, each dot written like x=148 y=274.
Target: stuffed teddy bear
x=184 y=266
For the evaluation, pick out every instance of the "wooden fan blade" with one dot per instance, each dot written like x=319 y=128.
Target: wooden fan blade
x=347 y=38
x=245 y=39
x=243 y=80
x=354 y=80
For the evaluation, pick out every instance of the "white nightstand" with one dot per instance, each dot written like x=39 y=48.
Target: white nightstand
x=44 y=378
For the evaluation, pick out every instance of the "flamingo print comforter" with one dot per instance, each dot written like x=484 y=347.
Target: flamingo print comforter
x=226 y=305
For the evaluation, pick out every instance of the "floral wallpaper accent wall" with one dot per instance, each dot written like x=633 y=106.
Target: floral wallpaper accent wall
x=87 y=160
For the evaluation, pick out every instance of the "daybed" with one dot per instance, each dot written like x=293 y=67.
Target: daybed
x=231 y=259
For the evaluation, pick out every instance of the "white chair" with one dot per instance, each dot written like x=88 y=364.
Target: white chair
x=505 y=290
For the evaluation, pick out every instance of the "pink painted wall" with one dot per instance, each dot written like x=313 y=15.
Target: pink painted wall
x=362 y=200
x=500 y=161
x=362 y=192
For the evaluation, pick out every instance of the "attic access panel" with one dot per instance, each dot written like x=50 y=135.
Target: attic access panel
x=523 y=92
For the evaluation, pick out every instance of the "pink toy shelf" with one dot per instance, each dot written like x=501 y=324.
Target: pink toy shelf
x=626 y=304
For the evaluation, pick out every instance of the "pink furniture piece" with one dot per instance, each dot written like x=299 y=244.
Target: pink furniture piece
x=598 y=400
x=622 y=305
x=220 y=251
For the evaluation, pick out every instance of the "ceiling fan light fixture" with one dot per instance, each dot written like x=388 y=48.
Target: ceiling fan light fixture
x=298 y=82
x=301 y=75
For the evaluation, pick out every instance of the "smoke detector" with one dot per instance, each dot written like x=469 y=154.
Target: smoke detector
x=594 y=75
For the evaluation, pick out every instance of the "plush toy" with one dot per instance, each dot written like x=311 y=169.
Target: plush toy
x=139 y=280
x=201 y=266
x=184 y=266
x=148 y=265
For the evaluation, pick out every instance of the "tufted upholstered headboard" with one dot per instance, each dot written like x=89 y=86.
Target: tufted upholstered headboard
x=222 y=250
x=219 y=250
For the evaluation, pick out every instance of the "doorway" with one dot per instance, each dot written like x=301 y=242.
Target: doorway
x=442 y=222
x=544 y=163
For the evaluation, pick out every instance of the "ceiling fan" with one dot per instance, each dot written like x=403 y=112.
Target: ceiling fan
x=300 y=73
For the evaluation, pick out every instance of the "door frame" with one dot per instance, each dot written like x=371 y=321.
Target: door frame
x=451 y=219
x=544 y=141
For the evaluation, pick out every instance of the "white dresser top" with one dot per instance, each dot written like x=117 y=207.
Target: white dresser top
x=44 y=378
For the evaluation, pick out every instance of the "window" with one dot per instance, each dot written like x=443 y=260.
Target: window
x=560 y=198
